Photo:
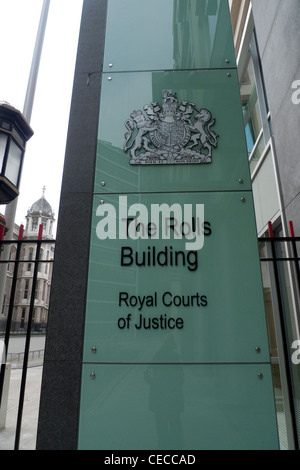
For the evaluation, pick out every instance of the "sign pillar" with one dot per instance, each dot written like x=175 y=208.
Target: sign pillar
x=175 y=352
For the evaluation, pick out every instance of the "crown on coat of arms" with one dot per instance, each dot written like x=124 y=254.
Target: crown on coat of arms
x=169 y=104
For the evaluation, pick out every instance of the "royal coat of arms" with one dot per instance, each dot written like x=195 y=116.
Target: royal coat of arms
x=170 y=133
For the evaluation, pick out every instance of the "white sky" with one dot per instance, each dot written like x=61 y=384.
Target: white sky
x=44 y=156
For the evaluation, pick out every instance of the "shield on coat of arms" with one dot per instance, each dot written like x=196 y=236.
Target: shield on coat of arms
x=170 y=135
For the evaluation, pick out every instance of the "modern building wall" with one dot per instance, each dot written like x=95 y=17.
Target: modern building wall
x=257 y=119
x=266 y=34
x=277 y=24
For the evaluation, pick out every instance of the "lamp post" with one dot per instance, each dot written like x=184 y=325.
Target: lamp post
x=14 y=133
x=28 y=104
x=11 y=208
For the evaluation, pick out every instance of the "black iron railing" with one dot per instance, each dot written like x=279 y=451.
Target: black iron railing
x=19 y=259
x=281 y=255
x=277 y=252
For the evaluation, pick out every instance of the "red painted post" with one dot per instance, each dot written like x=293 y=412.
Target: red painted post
x=291 y=227
x=21 y=231
x=2 y=232
x=271 y=234
x=40 y=232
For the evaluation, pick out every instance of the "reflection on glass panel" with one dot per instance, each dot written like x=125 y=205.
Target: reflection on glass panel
x=156 y=268
x=198 y=29
x=282 y=297
x=13 y=163
x=6 y=125
x=265 y=192
x=211 y=90
x=168 y=35
x=18 y=136
x=288 y=291
x=180 y=406
x=270 y=306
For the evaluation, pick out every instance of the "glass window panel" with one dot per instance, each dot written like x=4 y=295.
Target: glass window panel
x=18 y=137
x=251 y=111
x=6 y=125
x=265 y=193
x=226 y=275
x=3 y=143
x=289 y=296
x=209 y=89
x=270 y=307
x=171 y=407
x=167 y=35
x=13 y=163
x=255 y=157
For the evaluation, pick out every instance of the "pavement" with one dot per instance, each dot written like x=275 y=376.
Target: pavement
x=30 y=409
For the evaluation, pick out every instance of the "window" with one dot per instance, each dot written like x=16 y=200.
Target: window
x=44 y=291
x=30 y=256
x=37 y=290
x=251 y=109
x=26 y=289
x=41 y=257
x=46 y=264
x=251 y=112
x=255 y=106
x=22 y=323
x=3 y=305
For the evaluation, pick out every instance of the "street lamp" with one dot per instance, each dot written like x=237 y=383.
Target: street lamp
x=14 y=133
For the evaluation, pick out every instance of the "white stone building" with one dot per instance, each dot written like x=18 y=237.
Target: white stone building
x=40 y=213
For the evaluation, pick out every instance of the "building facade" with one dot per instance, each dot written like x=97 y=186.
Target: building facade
x=266 y=37
x=39 y=214
x=266 y=41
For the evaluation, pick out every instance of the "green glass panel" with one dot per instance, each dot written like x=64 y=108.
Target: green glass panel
x=210 y=90
x=194 y=306
x=168 y=34
x=177 y=407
